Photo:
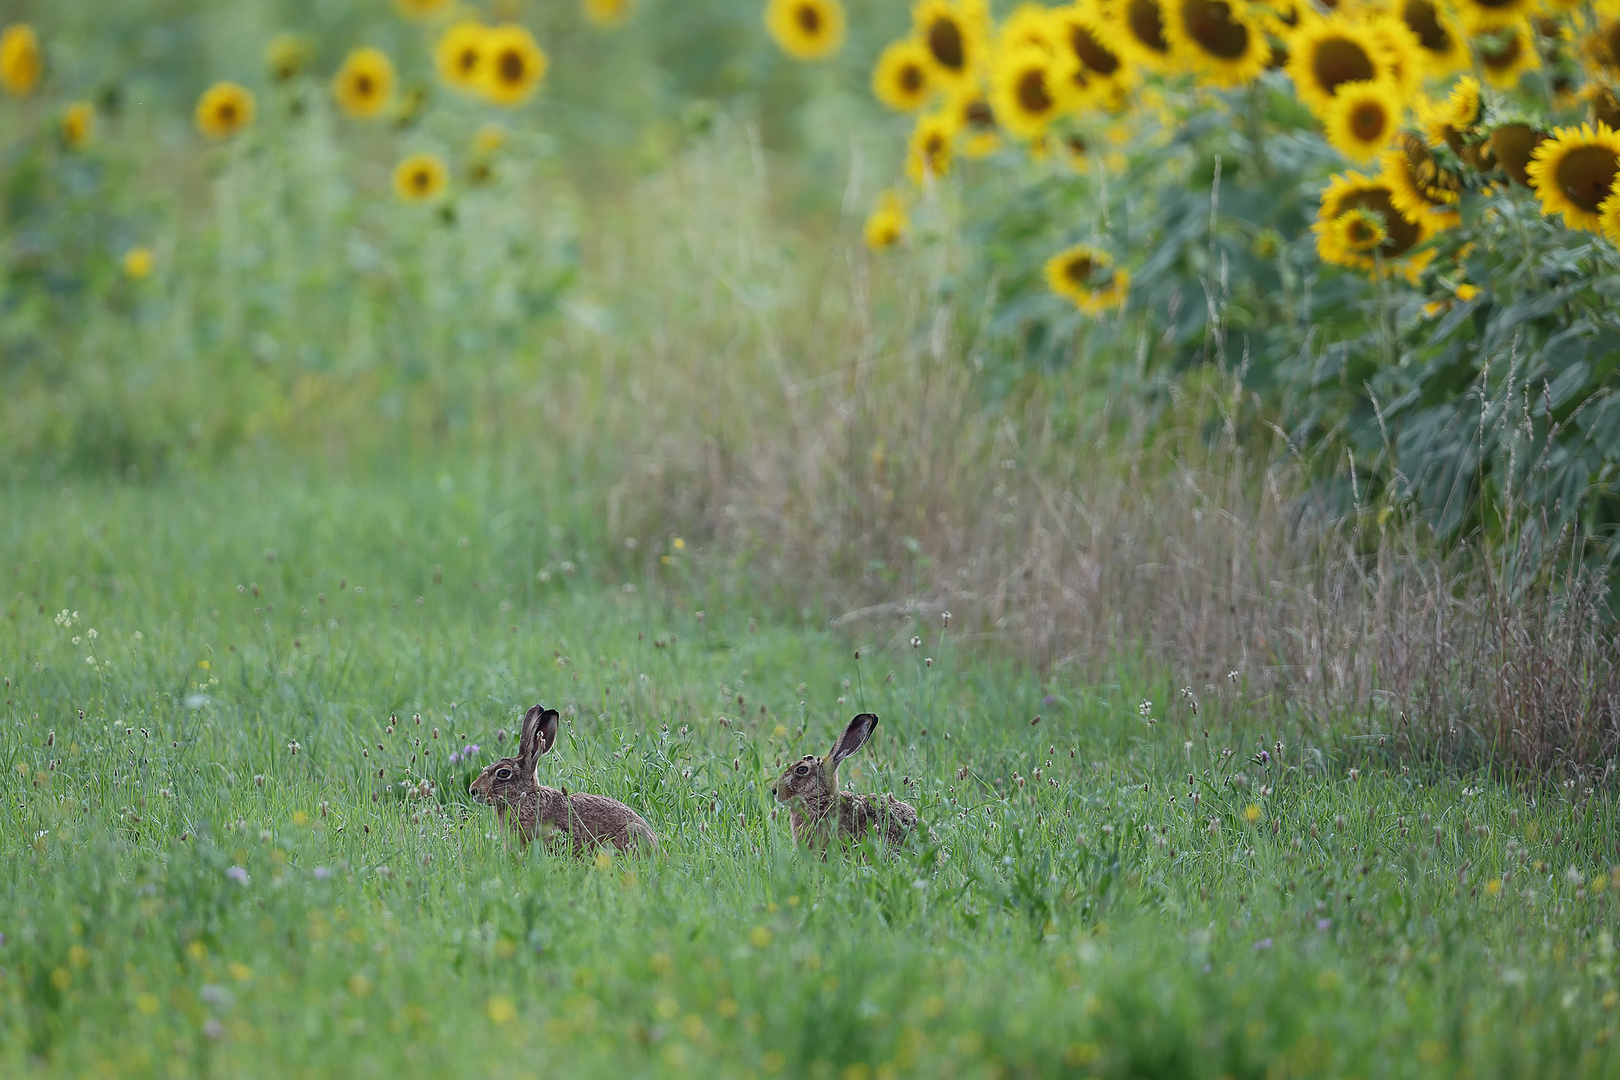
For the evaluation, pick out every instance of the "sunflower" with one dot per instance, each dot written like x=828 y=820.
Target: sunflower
x=1030 y=88
x=138 y=263
x=975 y=122
x=78 y=125
x=1507 y=53
x=1603 y=105
x=1441 y=46
x=1221 y=39
x=1573 y=173
x=460 y=55
x=608 y=12
x=1484 y=15
x=1073 y=150
x=421 y=177
x=1362 y=118
x=1601 y=48
x=902 y=78
x=1326 y=52
x=288 y=56
x=422 y=9
x=954 y=36
x=928 y=155
x=21 y=61
x=513 y=65
x=1136 y=30
x=1101 y=75
x=1359 y=232
x=489 y=139
x=1088 y=277
x=1465 y=105
x=1418 y=184
x=224 y=109
x=1029 y=24
x=806 y=29
x=364 y=85
x=1609 y=214
x=1513 y=146
x=1401 y=52
x=887 y=224
x=1350 y=191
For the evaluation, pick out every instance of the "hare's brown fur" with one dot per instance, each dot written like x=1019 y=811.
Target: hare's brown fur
x=818 y=812
x=565 y=821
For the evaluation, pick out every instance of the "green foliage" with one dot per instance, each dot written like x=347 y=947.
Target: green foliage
x=183 y=892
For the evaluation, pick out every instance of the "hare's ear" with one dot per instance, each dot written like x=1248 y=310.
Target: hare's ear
x=548 y=730
x=854 y=737
x=538 y=733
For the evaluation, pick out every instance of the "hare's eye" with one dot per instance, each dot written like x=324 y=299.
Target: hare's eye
x=503 y=774
x=802 y=770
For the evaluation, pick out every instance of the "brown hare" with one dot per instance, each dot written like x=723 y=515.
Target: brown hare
x=819 y=812
x=561 y=819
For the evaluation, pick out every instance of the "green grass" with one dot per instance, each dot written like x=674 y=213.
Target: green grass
x=1088 y=922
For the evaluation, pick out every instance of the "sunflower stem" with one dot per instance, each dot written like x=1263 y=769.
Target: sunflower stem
x=1386 y=342
x=1257 y=132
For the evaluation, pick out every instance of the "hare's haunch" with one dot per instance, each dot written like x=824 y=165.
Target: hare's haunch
x=818 y=812
x=564 y=820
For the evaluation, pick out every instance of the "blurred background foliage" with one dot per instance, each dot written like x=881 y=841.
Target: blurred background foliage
x=170 y=299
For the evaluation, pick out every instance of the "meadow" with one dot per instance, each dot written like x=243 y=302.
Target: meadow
x=1235 y=605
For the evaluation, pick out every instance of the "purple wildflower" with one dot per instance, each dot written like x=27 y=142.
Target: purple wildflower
x=454 y=757
x=1049 y=699
x=1262 y=945
x=470 y=750
x=1324 y=925
x=323 y=872
x=1265 y=757
x=237 y=874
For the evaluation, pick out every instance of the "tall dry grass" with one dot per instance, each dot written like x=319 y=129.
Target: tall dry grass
x=809 y=414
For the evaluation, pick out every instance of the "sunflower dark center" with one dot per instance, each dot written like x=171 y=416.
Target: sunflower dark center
x=1611 y=40
x=1094 y=56
x=422 y=180
x=1147 y=24
x=1492 y=5
x=1513 y=145
x=809 y=18
x=1586 y=175
x=512 y=67
x=227 y=112
x=1032 y=93
x=1338 y=61
x=1368 y=120
x=980 y=115
x=945 y=43
x=1423 y=19
x=1079 y=270
x=1362 y=233
x=1210 y=23
x=467 y=60
x=1403 y=235
x=1503 y=52
x=912 y=79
